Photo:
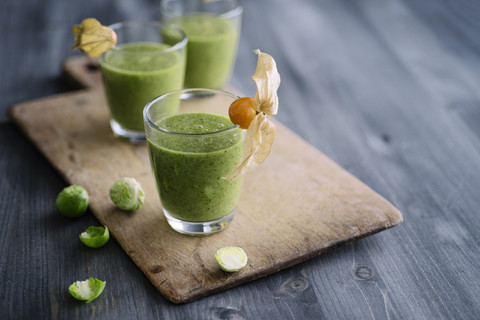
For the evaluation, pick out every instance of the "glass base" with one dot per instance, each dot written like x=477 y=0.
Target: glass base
x=203 y=228
x=133 y=136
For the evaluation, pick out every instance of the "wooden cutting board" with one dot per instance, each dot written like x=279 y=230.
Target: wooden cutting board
x=298 y=204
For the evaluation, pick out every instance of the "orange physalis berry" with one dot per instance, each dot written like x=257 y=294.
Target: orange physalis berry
x=242 y=112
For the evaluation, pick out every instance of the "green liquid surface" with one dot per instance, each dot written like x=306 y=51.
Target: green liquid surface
x=134 y=74
x=211 y=49
x=190 y=169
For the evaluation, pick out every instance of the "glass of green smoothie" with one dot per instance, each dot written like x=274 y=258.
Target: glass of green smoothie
x=191 y=153
x=141 y=67
x=213 y=31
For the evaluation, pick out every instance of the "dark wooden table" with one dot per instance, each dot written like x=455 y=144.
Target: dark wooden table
x=390 y=90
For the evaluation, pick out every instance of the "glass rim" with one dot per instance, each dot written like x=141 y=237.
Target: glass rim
x=179 y=45
x=181 y=92
x=232 y=13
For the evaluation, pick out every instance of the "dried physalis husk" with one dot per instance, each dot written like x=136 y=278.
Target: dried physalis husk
x=93 y=38
x=256 y=147
x=267 y=80
x=261 y=132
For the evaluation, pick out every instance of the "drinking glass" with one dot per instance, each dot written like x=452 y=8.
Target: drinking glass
x=193 y=146
x=213 y=31
x=141 y=67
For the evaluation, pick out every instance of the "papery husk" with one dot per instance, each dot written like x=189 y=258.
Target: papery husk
x=256 y=147
x=93 y=38
x=267 y=80
x=261 y=132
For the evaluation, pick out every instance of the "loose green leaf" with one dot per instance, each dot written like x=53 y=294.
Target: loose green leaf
x=95 y=237
x=87 y=290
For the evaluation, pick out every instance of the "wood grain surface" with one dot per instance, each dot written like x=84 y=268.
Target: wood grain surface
x=387 y=89
x=296 y=205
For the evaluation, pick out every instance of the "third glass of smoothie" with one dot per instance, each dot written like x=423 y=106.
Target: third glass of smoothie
x=191 y=153
x=213 y=30
x=141 y=67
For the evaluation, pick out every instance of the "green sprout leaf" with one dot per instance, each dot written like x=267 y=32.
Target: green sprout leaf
x=72 y=201
x=231 y=259
x=127 y=194
x=87 y=290
x=95 y=237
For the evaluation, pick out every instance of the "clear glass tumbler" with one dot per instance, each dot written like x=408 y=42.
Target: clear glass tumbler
x=193 y=146
x=141 y=67
x=213 y=31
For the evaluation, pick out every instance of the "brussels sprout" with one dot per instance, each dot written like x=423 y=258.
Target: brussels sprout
x=87 y=290
x=127 y=194
x=95 y=237
x=231 y=259
x=72 y=201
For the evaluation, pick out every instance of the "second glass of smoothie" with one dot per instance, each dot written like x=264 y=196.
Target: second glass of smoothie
x=141 y=67
x=213 y=31
x=192 y=150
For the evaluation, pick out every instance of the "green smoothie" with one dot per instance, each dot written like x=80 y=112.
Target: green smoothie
x=190 y=169
x=135 y=73
x=211 y=49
